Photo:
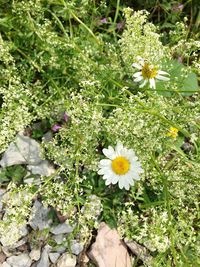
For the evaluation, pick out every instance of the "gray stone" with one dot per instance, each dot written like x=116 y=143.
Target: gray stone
x=140 y=251
x=66 y=260
x=59 y=238
x=5 y=264
x=23 y=150
x=2 y=192
x=35 y=254
x=6 y=251
x=44 y=260
x=44 y=168
x=29 y=180
x=39 y=217
x=10 y=240
x=32 y=180
x=47 y=137
x=62 y=228
x=76 y=247
x=54 y=256
x=22 y=260
x=60 y=249
x=21 y=241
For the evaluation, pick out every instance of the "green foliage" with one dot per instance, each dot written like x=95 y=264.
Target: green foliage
x=13 y=173
x=183 y=80
x=75 y=56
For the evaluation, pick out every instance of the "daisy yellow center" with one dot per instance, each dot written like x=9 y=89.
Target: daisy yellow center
x=148 y=72
x=120 y=165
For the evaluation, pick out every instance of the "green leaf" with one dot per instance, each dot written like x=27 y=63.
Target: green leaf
x=4 y=177
x=14 y=173
x=181 y=77
x=190 y=83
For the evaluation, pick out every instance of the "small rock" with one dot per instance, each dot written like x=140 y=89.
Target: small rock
x=60 y=249
x=39 y=217
x=66 y=260
x=108 y=249
x=62 y=228
x=140 y=251
x=32 y=180
x=2 y=257
x=23 y=150
x=43 y=168
x=6 y=251
x=47 y=137
x=2 y=191
x=44 y=260
x=5 y=264
x=35 y=254
x=76 y=247
x=59 y=238
x=54 y=256
x=19 y=243
x=22 y=260
x=10 y=240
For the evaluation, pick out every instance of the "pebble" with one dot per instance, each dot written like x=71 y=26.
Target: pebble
x=44 y=168
x=44 y=260
x=39 y=217
x=76 y=247
x=5 y=264
x=59 y=239
x=35 y=254
x=62 y=228
x=22 y=260
x=66 y=260
x=54 y=256
x=24 y=150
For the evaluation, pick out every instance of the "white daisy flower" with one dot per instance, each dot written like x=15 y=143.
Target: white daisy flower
x=122 y=166
x=148 y=73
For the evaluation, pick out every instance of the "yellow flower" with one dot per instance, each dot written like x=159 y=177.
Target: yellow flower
x=173 y=132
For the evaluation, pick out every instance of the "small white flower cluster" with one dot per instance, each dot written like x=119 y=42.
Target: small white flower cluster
x=88 y=218
x=140 y=39
x=17 y=203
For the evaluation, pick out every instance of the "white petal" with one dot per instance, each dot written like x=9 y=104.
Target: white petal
x=163 y=72
x=121 y=183
x=138 y=79
x=101 y=171
x=131 y=182
x=140 y=60
x=136 y=176
x=115 y=179
x=108 y=181
x=137 y=74
x=109 y=153
x=118 y=149
x=137 y=66
x=152 y=83
x=143 y=84
x=131 y=155
x=127 y=185
x=104 y=162
x=162 y=78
